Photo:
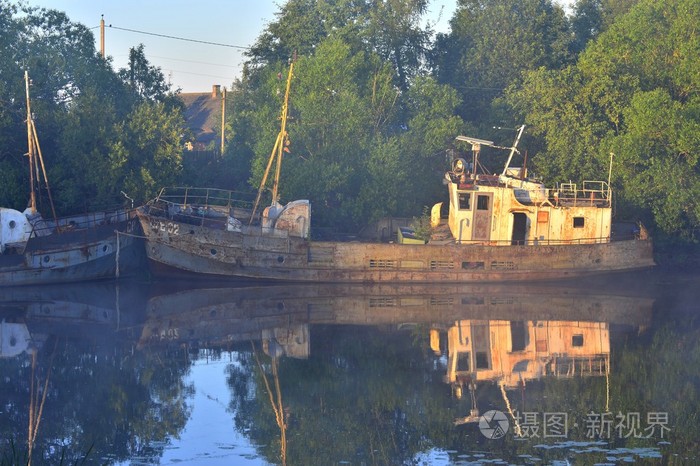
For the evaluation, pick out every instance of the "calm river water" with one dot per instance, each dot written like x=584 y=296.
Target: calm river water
x=603 y=371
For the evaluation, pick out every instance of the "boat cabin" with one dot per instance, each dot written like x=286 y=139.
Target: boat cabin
x=511 y=209
x=512 y=352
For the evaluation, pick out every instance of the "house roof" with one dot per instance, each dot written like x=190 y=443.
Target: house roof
x=202 y=113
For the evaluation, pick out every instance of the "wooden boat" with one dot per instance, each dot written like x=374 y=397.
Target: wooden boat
x=91 y=246
x=503 y=227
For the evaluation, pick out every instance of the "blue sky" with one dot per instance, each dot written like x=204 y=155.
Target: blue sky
x=194 y=67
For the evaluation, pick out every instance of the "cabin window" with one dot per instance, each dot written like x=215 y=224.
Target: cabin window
x=579 y=222
x=463 y=362
x=577 y=340
x=518 y=335
x=465 y=201
x=482 y=203
x=482 y=360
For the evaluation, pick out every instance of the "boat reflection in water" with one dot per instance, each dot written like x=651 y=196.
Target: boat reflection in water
x=229 y=315
x=85 y=313
x=321 y=374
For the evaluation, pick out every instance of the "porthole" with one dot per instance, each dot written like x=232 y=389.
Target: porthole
x=104 y=248
x=213 y=252
x=47 y=258
x=280 y=259
x=12 y=224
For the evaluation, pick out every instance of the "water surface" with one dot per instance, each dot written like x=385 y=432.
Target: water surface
x=597 y=372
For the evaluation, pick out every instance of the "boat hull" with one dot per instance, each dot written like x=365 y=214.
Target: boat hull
x=175 y=248
x=75 y=256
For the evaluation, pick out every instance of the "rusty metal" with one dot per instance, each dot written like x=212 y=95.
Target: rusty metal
x=75 y=249
x=500 y=228
x=214 y=252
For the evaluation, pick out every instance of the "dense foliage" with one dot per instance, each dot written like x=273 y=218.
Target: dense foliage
x=376 y=101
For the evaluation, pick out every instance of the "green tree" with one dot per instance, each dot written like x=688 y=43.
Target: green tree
x=404 y=170
x=146 y=81
x=62 y=63
x=592 y=17
x=395 y=33
x=492 y=43
x=298 y=29
x=13 y=166
x=633 y=92
x=391 y=29
x=146 y=153
x=334 y=121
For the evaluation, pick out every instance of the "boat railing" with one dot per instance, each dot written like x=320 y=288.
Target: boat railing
x=206 y=197
x=45 y=227
x=591 y=193
x=537 y=242
x=214 y=208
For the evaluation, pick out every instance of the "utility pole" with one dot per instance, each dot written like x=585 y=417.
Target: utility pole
x=223 y=118
x=102 y=36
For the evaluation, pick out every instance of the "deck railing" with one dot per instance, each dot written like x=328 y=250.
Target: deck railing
x=210 y=207
x=591 y=193
x=206 y=197
x=44 y=227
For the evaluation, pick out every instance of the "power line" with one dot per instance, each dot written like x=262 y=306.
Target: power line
x=198 y=74
x=193 y=61
x=179 y=38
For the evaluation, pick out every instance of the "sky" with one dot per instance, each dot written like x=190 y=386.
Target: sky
x=190 y=66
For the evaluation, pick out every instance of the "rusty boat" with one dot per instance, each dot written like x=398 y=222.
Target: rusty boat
x=497 y=227
x=90 y=246
x=98 y=245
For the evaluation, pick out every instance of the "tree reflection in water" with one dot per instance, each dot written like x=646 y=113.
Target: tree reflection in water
x=374 y=379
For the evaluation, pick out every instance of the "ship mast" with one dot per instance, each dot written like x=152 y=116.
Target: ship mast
x=30 y=148
x=513 y=149
x=35 y=157
x=278 y=150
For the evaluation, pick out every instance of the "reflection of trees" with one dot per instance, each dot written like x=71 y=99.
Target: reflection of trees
x=379 y=397
x=132 y=401
x=362 y=395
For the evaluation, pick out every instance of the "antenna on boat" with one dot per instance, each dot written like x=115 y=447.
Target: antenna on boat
x=513 y=149
x=277 y=151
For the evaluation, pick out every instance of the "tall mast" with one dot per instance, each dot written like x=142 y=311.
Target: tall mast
x=513 y=149
x=284 y=138
x=30 y=147
x=277 y=151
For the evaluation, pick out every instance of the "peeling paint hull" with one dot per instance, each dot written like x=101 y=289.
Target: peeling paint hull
x=175 y=248
x=76 y=255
